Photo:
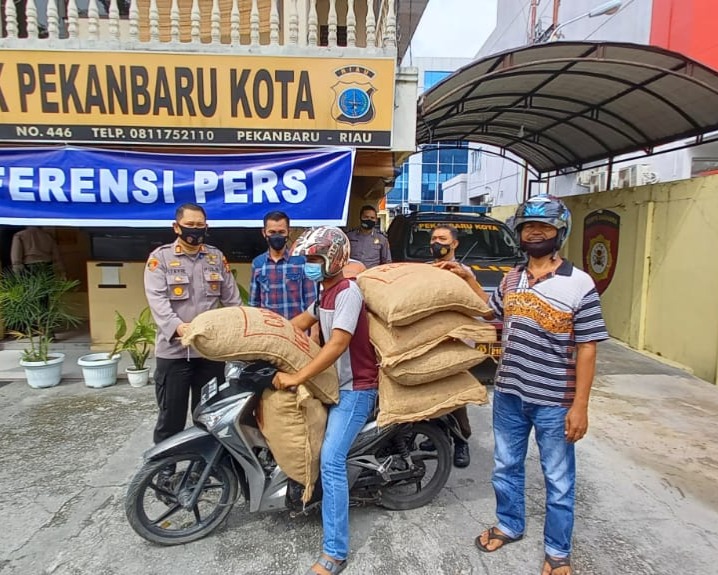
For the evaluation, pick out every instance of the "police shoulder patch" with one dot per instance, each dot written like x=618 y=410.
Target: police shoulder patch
x=152 y=264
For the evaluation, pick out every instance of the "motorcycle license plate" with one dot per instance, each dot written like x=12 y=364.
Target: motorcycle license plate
x=209 y=390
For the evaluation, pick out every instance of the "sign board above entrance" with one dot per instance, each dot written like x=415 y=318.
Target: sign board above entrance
x=82 y=187
x=195 y=99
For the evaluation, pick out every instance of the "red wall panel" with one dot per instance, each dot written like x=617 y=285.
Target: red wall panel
x=688 y=27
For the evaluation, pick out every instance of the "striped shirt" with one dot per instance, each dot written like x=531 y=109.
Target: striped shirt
x=281 y=286
x=543 y=323
x=342 y=307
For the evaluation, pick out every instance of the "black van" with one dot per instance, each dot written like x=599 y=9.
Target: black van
x=486 y=245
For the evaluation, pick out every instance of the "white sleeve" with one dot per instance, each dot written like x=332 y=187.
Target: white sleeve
x=347 y=308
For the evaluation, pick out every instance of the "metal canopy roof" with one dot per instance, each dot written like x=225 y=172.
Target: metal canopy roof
x=564 y=104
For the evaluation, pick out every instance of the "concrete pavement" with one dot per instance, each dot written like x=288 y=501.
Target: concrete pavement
x=647 y=497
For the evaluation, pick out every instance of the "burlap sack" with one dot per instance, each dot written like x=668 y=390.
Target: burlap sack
x=445 y=360
x=251 y=333
x=402 y=404
x=397 y=344
x=403 y=293
x=293 y=425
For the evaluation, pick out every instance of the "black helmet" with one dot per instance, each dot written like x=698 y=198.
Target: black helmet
x=546 y=209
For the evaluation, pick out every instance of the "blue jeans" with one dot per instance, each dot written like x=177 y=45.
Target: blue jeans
x=513 y=420
x=345 y=422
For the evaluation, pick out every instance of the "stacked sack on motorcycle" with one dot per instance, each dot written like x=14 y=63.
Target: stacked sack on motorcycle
x=292 y=423
x=418 y=317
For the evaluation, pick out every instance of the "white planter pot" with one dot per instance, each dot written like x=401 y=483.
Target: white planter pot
x=42 y=374
x=138 y=377
x=98 y=369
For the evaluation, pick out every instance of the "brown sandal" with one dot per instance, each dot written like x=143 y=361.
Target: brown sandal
x=558 y=562
x=494 y=535
x=329 y=565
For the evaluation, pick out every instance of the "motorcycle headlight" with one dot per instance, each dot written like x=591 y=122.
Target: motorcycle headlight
x=210 y=419
x=233 y=369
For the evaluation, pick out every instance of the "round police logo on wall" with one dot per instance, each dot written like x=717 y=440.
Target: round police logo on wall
x=354 y=103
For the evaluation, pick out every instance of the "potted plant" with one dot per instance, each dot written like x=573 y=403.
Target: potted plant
x=33 y=306
x=138 y=344
x=100 y=369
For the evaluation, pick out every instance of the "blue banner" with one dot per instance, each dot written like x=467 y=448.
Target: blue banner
x=89 y=187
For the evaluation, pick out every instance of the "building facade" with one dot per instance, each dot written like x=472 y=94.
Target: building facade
x=195 y=78
x=422 y=176
x=678 y=25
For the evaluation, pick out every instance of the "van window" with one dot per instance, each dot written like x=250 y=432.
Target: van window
x=480 y=240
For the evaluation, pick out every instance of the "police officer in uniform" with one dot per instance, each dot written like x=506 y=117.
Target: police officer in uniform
x=444 y=241
x=182 y=280
x=368 y=244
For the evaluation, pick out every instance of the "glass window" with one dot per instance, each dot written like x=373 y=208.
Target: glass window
x=703 y=166
x=454 y=156
x=477 y=240
x=429 y=156
x=433 y=77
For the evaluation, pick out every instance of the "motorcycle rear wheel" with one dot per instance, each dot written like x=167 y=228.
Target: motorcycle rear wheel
x=154 y=504
x=412 y=494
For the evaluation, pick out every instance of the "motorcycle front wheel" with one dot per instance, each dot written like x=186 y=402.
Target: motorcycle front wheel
x=157 y=500
x=431 y=469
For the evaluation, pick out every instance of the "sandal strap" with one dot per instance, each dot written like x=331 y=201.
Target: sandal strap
x=556 y=562
x=333 y=567
x=495 y=535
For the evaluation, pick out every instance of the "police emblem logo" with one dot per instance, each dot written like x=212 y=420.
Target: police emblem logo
x=353 y=95
x=600 y=246
x=178 y=290
x=152 y=264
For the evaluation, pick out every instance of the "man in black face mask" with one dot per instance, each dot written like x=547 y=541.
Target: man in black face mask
x=443 y=244
x=278 y=282
x=368 y=244
x=182 y=280
x=552 y=323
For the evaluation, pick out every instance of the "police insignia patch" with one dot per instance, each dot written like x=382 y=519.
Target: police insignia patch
x=353 y=93
x=152 y=264
x=225 y=263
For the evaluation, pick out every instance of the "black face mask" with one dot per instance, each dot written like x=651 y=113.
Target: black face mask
x=439 y=250
x=539 y=249
x=368 y=224
x=277 y=242
x=192 y=236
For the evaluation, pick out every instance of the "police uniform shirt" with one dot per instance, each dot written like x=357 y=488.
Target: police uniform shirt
x=179 y=287
x=34 y=246
x=370 y=249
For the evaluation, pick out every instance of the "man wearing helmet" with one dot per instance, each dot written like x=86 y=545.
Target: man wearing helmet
x=552 y=322
x=343 y=324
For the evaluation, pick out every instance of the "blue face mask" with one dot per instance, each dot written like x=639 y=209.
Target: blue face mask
x=313 y=272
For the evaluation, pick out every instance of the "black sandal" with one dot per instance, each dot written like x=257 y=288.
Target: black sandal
x=494 y=535
x=332 y=567
x=557 y=562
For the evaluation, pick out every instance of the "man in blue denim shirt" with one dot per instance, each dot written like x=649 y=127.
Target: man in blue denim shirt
x=552 y=321
x=344 y=326
x=277 y=280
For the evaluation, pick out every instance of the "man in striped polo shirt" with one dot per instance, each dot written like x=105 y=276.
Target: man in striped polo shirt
x=552 y=322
